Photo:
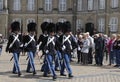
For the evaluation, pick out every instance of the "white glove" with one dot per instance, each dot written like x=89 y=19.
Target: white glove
x=63 y=48
x=21 y=45
x=79 y=48
x=46 y=51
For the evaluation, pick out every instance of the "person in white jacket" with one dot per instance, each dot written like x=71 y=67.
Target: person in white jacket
x=85 y=49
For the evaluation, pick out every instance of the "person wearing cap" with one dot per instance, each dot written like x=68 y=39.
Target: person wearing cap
x=14 y=46
x=58 y=58
x=50 y=51
x=41 y=42
x=30 y=46
x=68 y=43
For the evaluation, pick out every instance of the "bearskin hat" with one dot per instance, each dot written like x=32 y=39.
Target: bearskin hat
x=31 y=27
x=15 y=26
x=51 y=27
x=67 y=27
x=44 y=26
x=59 y=26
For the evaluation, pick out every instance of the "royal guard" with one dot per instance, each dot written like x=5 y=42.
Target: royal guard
x=14 y=46
x=41 y=41
x=30 y=46
x=50 y=50
x=58 y=58
x=68 y=43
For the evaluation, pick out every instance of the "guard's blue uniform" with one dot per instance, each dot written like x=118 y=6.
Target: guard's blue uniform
x=30 y=48
x=13 y=46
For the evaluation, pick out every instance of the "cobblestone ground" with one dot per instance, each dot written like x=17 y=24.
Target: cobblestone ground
x=81 y=73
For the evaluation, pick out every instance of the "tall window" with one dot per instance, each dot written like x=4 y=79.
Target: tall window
x=1 y=4
x=101 y=25
x=79 y=5
x=48 y=5
x=62 y=5
x=114 y=3
x=90 y=4
x=17 y=5
x=47 y=20
x=113 y=24
x=31 y=5
x=101 y=4
x=61 y=20
x=79 y=24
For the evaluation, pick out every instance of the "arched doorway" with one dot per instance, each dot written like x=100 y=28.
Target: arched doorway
x=89 y=27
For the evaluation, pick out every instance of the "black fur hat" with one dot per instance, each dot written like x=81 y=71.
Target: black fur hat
x=44 y=26
x=15 y=26
x=31 y=27
x=59 y=26
x=67 y=27
x=51 y=27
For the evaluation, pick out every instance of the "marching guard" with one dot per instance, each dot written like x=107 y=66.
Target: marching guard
x=68 y=43
x=14 y=46
x=58 y=57
x=50 y=50
x=30 y=46
x=41 y=41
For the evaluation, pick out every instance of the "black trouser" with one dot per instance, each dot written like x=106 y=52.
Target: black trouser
x=85 y=58
x=90 y=57
x=99 y=57
x=79 y=56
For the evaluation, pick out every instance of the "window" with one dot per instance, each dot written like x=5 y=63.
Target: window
x=114 y=3
x=79 y=24
x=1 y=4
x=61 y=20
x=101 y=4
x=48 y=5
x=47 y=20
x=62 y=5
x=90 y=4
x=101 y=25
x=17 y=5
x=113 y=25
x=79 y=5
x=31 y=5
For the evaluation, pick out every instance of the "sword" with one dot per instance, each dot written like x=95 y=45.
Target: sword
x=11 y=58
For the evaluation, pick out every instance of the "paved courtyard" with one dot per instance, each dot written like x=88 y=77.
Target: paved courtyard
x=81 y=73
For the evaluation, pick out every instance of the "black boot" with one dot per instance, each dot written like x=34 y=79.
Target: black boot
x=19 y=74
x=70 y=76
x=54 y=77
x=62 y=74
x=34 y=72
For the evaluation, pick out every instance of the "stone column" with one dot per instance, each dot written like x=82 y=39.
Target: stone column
x=6 y=4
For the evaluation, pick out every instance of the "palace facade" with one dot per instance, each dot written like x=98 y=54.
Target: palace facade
x=95 y=15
